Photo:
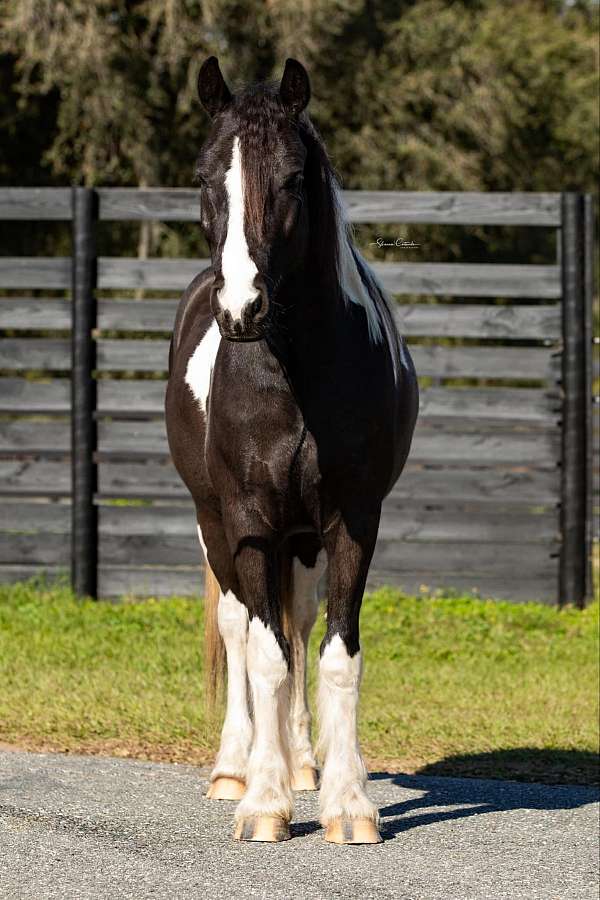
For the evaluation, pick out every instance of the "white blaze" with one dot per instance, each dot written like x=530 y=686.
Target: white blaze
x=237 y=266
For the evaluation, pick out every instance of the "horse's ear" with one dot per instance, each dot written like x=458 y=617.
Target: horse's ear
x=212 y=90
x=294 y=89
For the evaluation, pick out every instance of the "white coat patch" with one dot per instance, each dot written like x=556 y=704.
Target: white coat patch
x=200 y=366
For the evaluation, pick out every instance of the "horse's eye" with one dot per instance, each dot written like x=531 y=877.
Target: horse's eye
x=293 y=183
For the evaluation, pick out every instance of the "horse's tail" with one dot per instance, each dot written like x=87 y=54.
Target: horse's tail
x=214 y=648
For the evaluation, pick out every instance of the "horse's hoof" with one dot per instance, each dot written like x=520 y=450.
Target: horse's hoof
x=305 y=779
x=344 y=830
x=262 y=828
x=226 y=788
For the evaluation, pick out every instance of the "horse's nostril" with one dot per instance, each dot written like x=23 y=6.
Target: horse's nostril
x=256 y=306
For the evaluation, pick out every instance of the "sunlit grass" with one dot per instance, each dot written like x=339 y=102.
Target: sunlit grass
x=444 y=678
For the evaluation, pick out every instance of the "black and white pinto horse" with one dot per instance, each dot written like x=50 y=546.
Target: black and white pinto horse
x=290 y=408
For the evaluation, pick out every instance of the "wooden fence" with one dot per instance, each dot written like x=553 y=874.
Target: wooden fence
x=497 y=493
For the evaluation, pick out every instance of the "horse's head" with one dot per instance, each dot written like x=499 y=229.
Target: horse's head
x=251 y=171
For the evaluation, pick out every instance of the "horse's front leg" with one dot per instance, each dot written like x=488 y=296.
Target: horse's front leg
x=304 y=609
x=347 y=813
x=265 y=811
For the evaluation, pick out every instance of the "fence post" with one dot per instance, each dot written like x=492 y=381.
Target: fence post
x=589 y=288
x=574 y=558
x=84 y=528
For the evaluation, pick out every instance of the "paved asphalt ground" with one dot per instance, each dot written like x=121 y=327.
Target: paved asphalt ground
x=84 y=827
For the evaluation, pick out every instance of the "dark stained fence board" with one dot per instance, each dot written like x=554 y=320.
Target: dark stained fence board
x=156 y=274
x=513 y=486
x=148 y=520
x=131 y=396
x=457 y=558
x=133 y=204
x=10 y=574
x=530 y=406
x=439 y=361
x=115 y=581
x=51 y=437
x=447 y=208
x=38 y=549
x=21 y=354
x=23 y=396
x=470 y=525
x=518 y=405
x=470 y=280
x=136 y=315
x=133 y=355
x=148 y=439
x=35 y=272
x=519 y=589
x=512 y=363
x=35 y=204
x=34 y=477
x=20 y=517
x=35 y=313
x=484 y=321
x=539 y=322
x=362 y=206
x=475 y=280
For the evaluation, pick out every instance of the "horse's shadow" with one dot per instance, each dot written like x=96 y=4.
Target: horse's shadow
x=457 y=797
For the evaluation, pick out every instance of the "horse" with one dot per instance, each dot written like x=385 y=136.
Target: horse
x=290 y=409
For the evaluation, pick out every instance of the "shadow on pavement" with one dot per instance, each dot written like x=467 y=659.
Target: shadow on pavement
x=448 y=794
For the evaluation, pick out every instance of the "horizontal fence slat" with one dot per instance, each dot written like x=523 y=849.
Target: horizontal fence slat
x=35 y=204
x=19 y=395
x=439 y=361
x=35 y=272
x=468 y=280
x=485 y=321
x=10 y=574
x=119 y=580
x=513 y=486
x=470 y=525
x=430 y=445
x=448 y=208
x=38 y=549
x=540 y=322
x=136 y=315
x=130 y=397
x=527 y=405
x=445 y=447
x=155 y=274
x=33 y=312
x=52 y=437
x=530 y=406
x=115 y=581
x=164 y=204
x=456 y=558
x=35 y=477
x=21 y=354
x=132 y=355
x=20 y=517
x=468 y=208
x=520 y=589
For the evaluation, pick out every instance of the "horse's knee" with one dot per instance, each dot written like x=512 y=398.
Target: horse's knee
x=267 y=665
x=232 y=617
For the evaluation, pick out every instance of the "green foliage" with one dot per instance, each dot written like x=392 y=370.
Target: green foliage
x=447 y=680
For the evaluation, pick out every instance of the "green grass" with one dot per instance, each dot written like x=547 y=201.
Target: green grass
x=451 y=685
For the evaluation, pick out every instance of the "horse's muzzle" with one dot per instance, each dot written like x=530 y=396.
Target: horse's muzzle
x=249 y=325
